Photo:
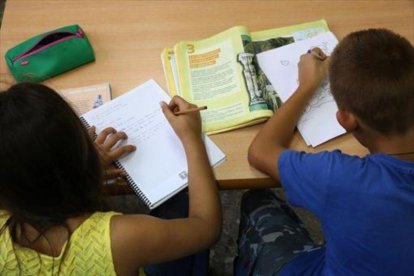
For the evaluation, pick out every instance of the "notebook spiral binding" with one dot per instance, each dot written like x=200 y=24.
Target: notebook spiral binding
x=129 y=180
x=133 y=185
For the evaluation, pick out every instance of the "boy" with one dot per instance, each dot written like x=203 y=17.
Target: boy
x=365 y=205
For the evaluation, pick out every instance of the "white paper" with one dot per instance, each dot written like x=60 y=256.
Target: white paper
x=318 y=122
x=159 y=165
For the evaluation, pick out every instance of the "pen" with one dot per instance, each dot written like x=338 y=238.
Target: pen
x=190 y=110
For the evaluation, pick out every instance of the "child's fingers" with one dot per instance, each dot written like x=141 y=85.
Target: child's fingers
x=180 y=102
x=114 y=173
x=91 y=132
x=121 y=151
x=100 y=139
x=317 y=53
x=113 y=139
x=168 y=113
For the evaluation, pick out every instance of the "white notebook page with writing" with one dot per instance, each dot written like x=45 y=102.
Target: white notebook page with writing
x=158 y=166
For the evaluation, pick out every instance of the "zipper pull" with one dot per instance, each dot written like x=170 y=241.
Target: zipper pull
x=80 y=33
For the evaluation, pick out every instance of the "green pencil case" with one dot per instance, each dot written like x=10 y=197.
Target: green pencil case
x=49 y=54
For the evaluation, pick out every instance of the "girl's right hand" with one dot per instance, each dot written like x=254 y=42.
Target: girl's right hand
x=186 y=126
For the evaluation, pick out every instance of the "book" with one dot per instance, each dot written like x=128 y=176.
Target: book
x=157 y=170
x=318 y=122
x=222 y=73
x=82 y=99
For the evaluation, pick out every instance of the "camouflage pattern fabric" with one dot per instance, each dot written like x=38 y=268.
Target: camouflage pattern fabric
x=270 y=234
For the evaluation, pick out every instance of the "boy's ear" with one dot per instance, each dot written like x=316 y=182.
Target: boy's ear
x=347 y=120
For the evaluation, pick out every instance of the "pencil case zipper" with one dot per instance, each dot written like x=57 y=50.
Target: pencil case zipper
x=38 y=47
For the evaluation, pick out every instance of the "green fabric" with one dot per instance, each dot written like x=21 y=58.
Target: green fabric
x=49 y=54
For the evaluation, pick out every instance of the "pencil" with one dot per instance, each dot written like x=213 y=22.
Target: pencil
x=190 y=110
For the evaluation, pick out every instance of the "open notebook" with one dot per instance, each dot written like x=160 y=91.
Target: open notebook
x=157 y=170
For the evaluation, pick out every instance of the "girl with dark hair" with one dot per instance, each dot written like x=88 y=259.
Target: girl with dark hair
x=51 y=174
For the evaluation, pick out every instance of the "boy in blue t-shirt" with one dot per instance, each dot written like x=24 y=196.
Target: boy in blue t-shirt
x=365 y=205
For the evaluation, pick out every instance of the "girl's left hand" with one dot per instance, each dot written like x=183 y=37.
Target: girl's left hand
x=104 y=143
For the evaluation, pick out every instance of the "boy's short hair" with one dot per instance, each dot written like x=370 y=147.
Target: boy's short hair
x=372 y=75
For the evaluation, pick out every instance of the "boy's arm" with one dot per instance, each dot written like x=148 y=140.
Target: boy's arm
x=274 y=137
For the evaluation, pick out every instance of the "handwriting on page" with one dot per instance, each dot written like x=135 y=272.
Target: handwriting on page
x=139 y=129
x=158 y=168
x=100 y=118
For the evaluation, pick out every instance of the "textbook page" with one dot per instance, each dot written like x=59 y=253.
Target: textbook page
x=318 y=123
x=217 y=72
x=170 y=71
x=158 y=168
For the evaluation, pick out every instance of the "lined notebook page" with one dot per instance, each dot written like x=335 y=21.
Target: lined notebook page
x=158 y=167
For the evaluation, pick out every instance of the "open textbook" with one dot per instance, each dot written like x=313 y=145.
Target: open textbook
x=318 y=122
x=157 y=170
x=222 y=73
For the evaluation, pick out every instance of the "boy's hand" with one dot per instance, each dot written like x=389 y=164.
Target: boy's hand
x=187 y=126
x=313 y=69
x=104 y=143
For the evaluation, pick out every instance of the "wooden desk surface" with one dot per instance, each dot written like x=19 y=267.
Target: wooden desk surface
x=128 y=37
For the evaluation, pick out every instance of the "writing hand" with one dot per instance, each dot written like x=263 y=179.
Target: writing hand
x=188 y=125
x=104 y=143
x=313 y=68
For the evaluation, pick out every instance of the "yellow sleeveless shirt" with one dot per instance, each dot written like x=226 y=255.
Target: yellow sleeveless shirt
x=88 y=251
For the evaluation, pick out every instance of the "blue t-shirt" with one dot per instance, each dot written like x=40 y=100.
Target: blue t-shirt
x=366 y=209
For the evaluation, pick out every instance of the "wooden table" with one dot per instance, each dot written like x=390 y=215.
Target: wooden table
x=128 y=37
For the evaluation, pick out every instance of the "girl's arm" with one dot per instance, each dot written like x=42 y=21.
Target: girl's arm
x=139 y=240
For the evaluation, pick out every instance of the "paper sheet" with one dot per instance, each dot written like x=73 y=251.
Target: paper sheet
x=318 y=122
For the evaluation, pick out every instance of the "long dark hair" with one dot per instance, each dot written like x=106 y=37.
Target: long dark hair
x=49 y=169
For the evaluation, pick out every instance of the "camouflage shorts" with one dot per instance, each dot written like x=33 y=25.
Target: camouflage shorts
x=270 y=235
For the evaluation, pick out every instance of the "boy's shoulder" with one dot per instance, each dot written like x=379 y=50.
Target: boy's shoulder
x=317 y=157
x=337 y=161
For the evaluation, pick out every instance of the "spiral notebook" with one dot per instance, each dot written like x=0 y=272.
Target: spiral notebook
x=157 y=170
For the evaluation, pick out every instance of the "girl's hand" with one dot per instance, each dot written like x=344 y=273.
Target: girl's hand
x=187 y=126
x=104 y=143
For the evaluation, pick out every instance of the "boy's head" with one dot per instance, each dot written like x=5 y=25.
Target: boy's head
x=49 y=170
x=372 y=76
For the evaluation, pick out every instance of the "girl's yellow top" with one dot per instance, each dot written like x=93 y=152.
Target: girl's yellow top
x=88 y=251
